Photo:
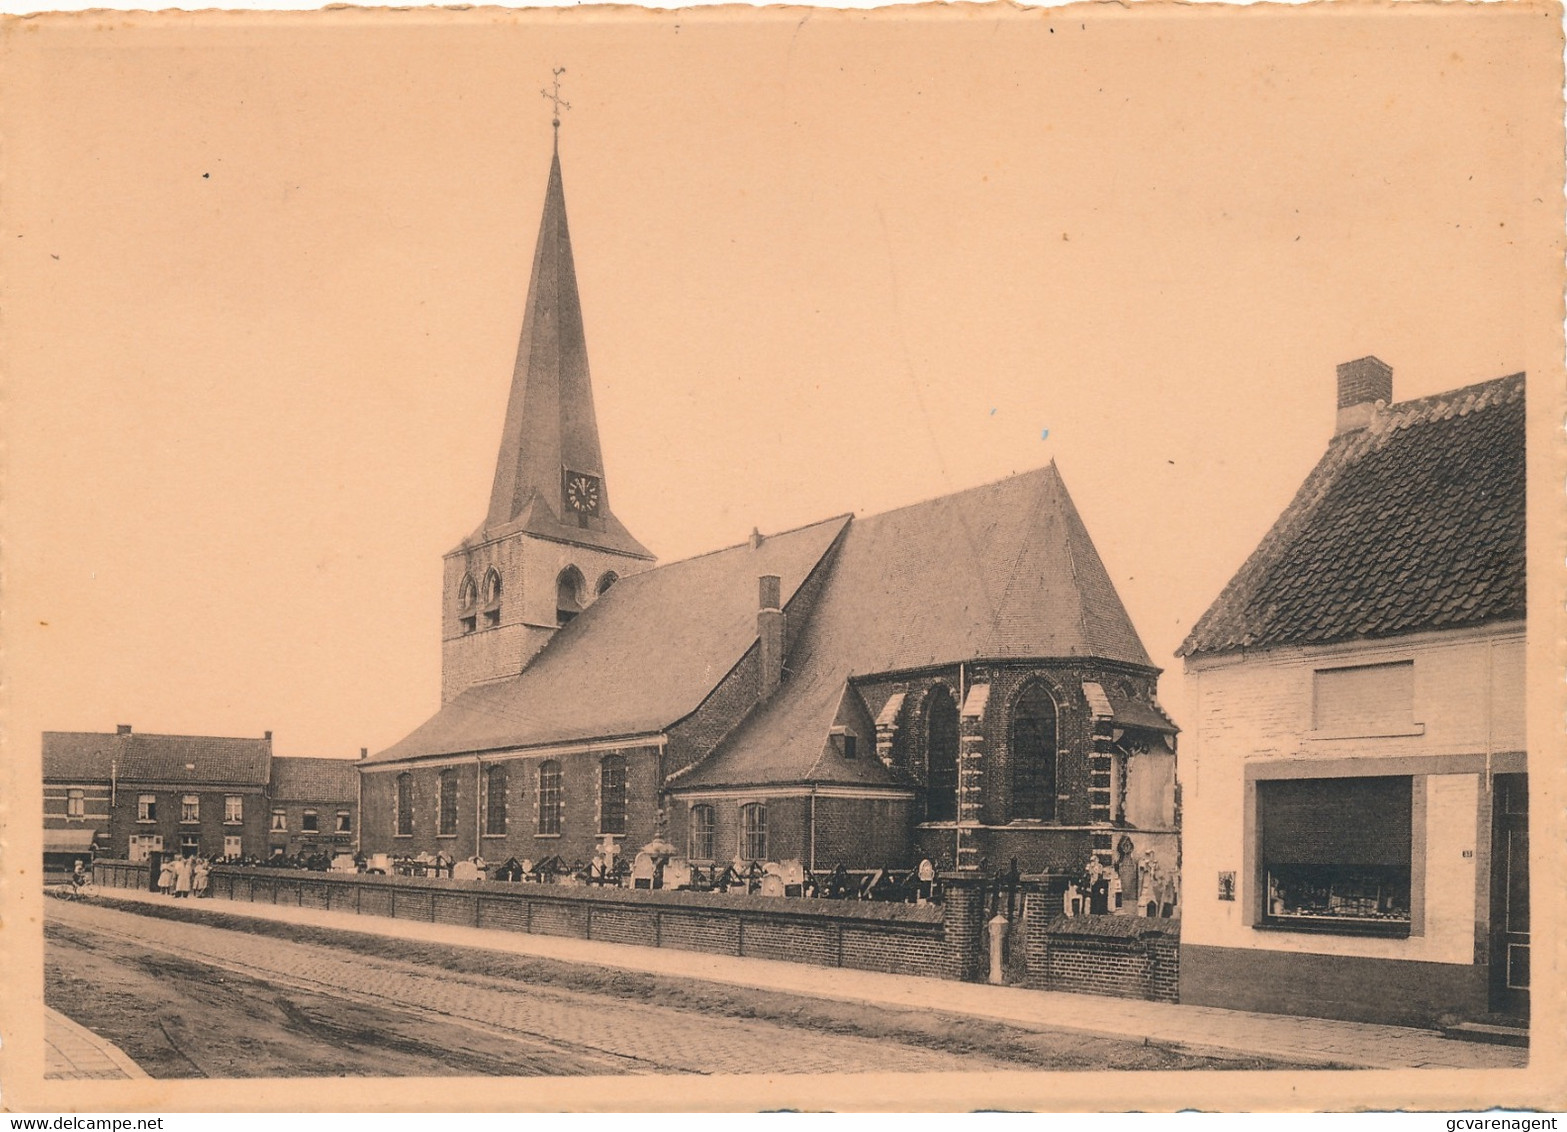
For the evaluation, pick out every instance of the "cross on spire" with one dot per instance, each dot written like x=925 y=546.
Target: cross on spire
x=557 y=103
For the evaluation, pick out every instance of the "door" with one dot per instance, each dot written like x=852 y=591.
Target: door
x=1510 y=895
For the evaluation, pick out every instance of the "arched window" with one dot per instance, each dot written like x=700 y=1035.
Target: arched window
x=609 y=579
x=467 y=598
x=549 y=797
x=405 y=805
x=492 y=598
x=612 y=794
x=753 y=832
x=1033 y=754
x=495 y=799
x=941 y=755
x=446 y=816
x=700 y=844
x=568 y=595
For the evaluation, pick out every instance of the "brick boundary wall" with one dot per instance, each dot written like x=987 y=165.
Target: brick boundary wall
x=943 y=941
x=1117 y=956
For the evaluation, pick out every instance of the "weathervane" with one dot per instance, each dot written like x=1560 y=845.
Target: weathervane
x=556 y=101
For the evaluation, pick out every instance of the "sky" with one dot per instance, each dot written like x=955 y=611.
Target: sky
x=266 y=275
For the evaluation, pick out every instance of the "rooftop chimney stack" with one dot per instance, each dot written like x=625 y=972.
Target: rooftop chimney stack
x=267 y=735
x=1362 y=383
x=364 y=752
x=122 y=729
x=770 y=632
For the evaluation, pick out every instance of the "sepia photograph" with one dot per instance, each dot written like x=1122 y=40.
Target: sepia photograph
x=1047 y=596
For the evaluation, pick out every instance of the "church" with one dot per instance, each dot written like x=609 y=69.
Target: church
x=955 y=680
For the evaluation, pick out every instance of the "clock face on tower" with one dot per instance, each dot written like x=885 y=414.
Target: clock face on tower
x=582 y=493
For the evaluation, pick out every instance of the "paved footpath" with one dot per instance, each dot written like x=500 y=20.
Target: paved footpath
x=75 y=1053
x=1195 y=1029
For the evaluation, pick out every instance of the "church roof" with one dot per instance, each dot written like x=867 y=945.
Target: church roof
x=1413 y=523
x=1005 y=571
x=639 y=659
x=550 y=424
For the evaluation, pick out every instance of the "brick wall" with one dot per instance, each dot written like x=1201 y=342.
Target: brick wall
x=1119 y=956
x=940 y=942
x=211 y=829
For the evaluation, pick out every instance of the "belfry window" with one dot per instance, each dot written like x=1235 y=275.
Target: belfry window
x=1033 y=753
x=568 y=595
x=941 y=755
x=609 y=579
x=467 y=599
x=492 y=598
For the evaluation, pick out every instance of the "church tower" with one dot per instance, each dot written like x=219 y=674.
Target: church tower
x=550 y=544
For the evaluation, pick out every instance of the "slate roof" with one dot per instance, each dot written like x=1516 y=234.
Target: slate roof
x=314 y=780
x=1005 y=571
x=639 y=659
x=1414 y=523
x=175 y=759
x=78 y=756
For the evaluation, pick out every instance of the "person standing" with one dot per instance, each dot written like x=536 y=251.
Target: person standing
x=182 y=877
x=166 y=877
x=199 y=873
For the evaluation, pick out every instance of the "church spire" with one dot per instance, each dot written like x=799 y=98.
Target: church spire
x=549 y=476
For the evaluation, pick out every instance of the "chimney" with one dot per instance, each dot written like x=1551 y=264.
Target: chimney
x=1362 y=383
x=267 y=735
x=364 y=752
x=122 y=728
x=756 y=538
x=770 y=632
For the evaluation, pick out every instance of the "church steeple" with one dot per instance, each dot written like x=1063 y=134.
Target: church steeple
x=549 y=476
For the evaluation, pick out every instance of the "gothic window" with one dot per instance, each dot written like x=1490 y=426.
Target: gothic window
x=568 y=595
x=405 y=805
x=753 y=832
x=447 y=812
x=612 y=794
x=1033 y=755
x=700 y=845
x=941 y=755
x=609 y=579
x=467 y=598
x=495 y=800
x=492 y=598
x=549 y=798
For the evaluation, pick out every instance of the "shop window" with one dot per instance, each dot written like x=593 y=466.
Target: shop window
x=405 y=805
x=495 y=800
x=549 y=798
x=700 y=844
x=753 y=832
x=1368 y=699
x=447 y=805
x=233 y=809
x=1033 y=754
x=75 y=803
x=345 y=821
x=941 y=755
x=279 y=821
x=310 y=822
x=1335 y=854
x=612 y=794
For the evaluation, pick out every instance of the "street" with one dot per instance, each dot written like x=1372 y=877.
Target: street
x=192 y=1000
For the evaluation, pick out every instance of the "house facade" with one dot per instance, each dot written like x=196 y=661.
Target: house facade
x=956 y=680
x=313 y=807
x=1355 y=781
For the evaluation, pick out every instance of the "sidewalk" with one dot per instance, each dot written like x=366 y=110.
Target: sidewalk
x=74 y=1053
x=1197 y=1029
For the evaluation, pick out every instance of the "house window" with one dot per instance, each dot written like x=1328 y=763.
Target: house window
x=279 y=821
x=190 y=808
x=568 y=595
x=549 y=798
x=1033 y=755
x=190 y=844
x=405 y=805
x=495 y=800
x=941 y=755
x=612 y=794
x=851 y=745
x=75 y=803
x=310 y=822
x=448 y=804
x=232 y=847
x=467 y=598
x=146 y=807
x=753 y=832
x=345 y=821
x=700 y=843
x=1368 y=699
x=233 y=809
x=1335 y=854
